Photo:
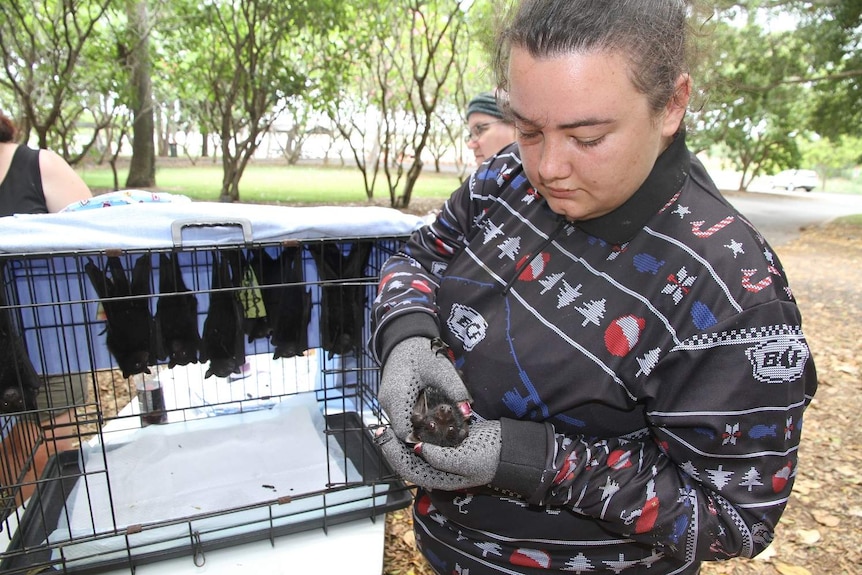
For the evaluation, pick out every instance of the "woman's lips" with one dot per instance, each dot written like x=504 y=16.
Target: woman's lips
x=560 y=192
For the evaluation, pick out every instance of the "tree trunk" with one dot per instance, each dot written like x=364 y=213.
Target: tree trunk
x=231 y=174
x=142 y=169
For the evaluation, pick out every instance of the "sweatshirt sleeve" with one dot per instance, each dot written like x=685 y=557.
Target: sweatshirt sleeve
x=711 y=475
x=406 y=294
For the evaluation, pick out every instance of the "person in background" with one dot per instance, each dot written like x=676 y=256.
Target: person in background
x=36 y=182
x=627 y=341
x=489 y=131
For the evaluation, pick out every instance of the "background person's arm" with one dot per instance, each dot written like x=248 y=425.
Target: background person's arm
x=60 y=183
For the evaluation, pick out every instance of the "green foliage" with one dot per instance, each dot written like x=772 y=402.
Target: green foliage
x=834 y=30
x=246 y=62
x=751 y=112
x=392 y=78
x=406 y=60
x=832 y=158
x=54 y=66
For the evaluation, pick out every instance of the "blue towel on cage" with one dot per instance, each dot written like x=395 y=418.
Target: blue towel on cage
x=166 y=224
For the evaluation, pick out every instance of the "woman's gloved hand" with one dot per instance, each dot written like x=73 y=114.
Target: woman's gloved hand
x=412 y=365
x=473 y=463
x=509 y=455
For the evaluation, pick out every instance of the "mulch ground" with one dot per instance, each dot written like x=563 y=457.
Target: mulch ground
x=821 y=530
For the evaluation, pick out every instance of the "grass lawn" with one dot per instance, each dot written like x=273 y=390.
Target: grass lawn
x=266 y=183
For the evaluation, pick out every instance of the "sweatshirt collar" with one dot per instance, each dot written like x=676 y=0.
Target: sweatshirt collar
x=666 y=179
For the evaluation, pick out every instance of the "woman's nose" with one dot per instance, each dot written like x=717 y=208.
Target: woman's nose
x=554 y=163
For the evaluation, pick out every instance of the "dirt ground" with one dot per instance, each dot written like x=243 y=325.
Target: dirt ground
x=821 y=530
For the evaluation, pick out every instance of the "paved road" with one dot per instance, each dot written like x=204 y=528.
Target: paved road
x=780 y=215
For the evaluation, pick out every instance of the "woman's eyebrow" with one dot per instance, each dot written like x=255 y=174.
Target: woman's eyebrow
x=567 y=126
x=521 y=118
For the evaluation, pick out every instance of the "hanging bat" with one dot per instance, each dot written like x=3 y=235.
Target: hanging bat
x=255 y=323
x=222 y=341
x=342 y=306
x=290 y=321
x=131 y=335
x=437 y=420
x=176 y=315
x=286 y=299
x=19 y=382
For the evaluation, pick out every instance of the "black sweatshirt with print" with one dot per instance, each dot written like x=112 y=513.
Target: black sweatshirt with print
x=661 y=346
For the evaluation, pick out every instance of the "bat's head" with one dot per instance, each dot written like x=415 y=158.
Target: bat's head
x=12 y=400
x=440 y=423
x=182 y=352
x=135 y=362
x=223 y=367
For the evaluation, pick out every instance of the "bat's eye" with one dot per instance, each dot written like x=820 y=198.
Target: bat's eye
x=432 y=425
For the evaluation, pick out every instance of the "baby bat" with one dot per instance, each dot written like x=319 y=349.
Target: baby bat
x=437 y=420
x=131 y=334
x=342 y=305
x=290 y=320
x=176 y=315
x=222 y=341
x=19 y=382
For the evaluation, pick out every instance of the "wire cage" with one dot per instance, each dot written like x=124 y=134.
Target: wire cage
x=227 y=397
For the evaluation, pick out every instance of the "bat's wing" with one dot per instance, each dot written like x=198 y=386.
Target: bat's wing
x=97 y=278
x=119 y=282
x=290 y=325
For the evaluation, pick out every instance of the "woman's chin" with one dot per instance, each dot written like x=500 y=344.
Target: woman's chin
x=569 y=208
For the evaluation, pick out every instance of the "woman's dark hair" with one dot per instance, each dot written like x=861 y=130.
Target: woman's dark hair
x=651 y=34
x=7 y=129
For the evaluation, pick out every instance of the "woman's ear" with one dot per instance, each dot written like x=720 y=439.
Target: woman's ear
x=677 y=105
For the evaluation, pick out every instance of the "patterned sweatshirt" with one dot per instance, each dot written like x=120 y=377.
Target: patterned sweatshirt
x=659 y=345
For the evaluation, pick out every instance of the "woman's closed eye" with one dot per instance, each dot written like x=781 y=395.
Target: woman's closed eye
x=525 y=134
x=589 y=142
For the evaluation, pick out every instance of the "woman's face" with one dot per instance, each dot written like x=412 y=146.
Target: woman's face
x=488 y=135
x=588 y=138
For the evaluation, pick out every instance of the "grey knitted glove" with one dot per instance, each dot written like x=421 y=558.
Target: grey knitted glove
x=510 y=455
x=412 y=365
x=473 y=463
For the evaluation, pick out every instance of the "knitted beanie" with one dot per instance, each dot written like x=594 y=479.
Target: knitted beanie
x=485 y=103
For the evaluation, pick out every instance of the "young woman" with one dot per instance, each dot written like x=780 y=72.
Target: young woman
x=34 y=181
x=628 y=342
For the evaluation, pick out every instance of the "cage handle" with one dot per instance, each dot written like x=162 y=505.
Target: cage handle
x=178 y=226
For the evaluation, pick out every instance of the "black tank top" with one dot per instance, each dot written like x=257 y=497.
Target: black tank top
x=21 y=190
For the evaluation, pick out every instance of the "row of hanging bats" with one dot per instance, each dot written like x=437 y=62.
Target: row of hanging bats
x=254 y=296
x=138 y=339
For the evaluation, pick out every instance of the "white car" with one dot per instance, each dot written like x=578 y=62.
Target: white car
x=796 y=180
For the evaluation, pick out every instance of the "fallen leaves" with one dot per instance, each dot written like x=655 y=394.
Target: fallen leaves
x=824 y=518
x=786 y=569
x=808 y=536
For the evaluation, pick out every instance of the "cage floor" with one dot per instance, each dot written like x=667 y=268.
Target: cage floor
x=48 y=517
